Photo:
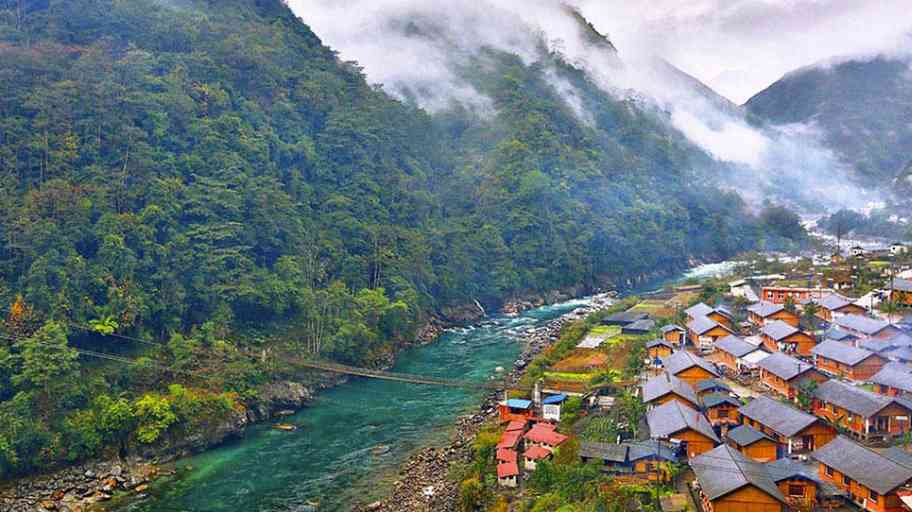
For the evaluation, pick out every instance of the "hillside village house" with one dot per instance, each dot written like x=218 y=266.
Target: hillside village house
x=752 y=443
x=506 y=455
x=865 y=414
x=864 y=327
x=709 y=386
x=721 y=410
x=533 y=455
x=683 y=425
x=689 y=367
x=782 y=294
x=704 y=331
x=871 y=479
x=657 y=349
x=795 y=431
x=732 y=352
x=623 y=318
x=898 y=248
x=834 y=305
x=515 y=409
x=894 y=379
x=892 y=347
x=847 y=361
x=639 y=458
x=785 y=375
x=730 y=482
x=544 y=435
x=782 y=337
x=800 y=482
x=762 y=312
x=901 y=291
x=507 y=474
x=665 y=388
x=551 y=406
x=675 y=334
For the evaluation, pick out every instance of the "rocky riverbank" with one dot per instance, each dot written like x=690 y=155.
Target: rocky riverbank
x=423 y=482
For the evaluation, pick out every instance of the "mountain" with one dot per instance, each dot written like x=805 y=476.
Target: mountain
x=199 y=185
x=861 y=107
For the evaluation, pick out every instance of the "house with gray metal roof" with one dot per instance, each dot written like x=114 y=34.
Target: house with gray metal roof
x=863 y=326
x=689 y=367
x=865 y=414
x=704 y=332
x=752 y=443
x=726 y=479
x=894 y=379
x=779 y=336
x=786 y=375
x=697 y=310
x=842 y=360
x=796 y=431
x=869 y=477
x=676 y=422
x=665 y=387
x=762 y=312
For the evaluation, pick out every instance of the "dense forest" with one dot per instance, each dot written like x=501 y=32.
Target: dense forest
x=187 y=183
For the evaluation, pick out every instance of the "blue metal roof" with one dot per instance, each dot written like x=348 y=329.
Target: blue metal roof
x=555 y=399
x=516 y=403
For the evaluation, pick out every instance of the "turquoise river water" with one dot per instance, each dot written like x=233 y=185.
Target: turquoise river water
x=329 y=463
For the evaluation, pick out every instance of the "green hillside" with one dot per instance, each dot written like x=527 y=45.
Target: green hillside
x=210 y=176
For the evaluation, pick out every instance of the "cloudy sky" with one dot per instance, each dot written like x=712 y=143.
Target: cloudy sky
x=741 y=46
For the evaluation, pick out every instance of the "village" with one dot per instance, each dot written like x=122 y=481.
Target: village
x=786 y=385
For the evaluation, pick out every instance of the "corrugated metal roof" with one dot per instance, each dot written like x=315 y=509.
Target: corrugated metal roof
x=644 y=325
x=835 y=333
x=664 y=384
x=672 y=327
x=862 y=324
x=863 y=465
x=851 y=398
x=735 y=346
x=838 y=351
x=710 y=384
x=779 y=417
x=724 y=470
x=604 y=451
x=895 y=375
x=716 y=399
x=833 y=302
x=517 y=403
x=779 y=330
x=681 y=360
x=659 y=343
x=765 y=309
x=702 y=324
x=699 y=309
x=555 y=399
x=784 y=366
x=650 y=448
x=744 y=435
x=673 y=417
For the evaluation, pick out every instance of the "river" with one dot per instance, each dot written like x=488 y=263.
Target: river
x=328 y=464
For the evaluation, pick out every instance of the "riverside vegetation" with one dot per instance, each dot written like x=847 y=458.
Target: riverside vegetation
x=202 y=188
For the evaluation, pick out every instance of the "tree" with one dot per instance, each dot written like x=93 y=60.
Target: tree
x=154 y=415
x=45 y=361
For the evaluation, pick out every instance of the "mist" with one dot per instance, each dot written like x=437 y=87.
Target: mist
x=415 y=50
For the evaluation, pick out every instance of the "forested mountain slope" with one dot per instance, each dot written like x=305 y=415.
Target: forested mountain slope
x=862 y=107
x=206 y=174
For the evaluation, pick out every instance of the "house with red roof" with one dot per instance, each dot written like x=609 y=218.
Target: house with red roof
x=507 y=474
x=532 y=456
x=544 y=435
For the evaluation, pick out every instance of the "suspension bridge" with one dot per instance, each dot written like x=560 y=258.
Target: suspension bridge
x=494 y=385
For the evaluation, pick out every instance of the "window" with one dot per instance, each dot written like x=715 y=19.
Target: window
x=828 y=470
x=723 y=413
x=796 y=490
x=874 y=496
x=846 y=480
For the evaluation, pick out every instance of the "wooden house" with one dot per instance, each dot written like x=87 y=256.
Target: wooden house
x=658 y=349
x=835 y=305
x=865 y=327
x=678 y=423
x=664 y=388
x=871 y=479
x=795 y=432
x=894 y=379
x=675 y=334
x=865 y=414
x=762 y=312
x=721 y=409
x=901 y=291
x=689 y=367
x=752 y=443
x=785 y=375
x=703 y=332
x=731 y=351
x=638 y=458
x=800 y=484
x=507 y=474
x=779 y=336
x=730 y=482
x=697 y=310
x=847 y=361
x=708 y=386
